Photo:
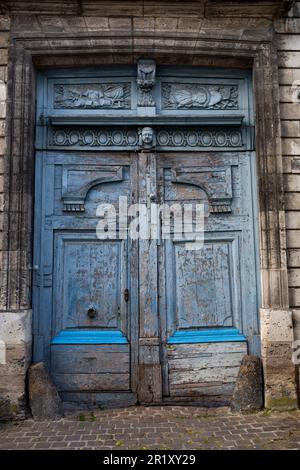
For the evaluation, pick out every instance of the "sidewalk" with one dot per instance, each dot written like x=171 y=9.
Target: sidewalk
x=158 y=428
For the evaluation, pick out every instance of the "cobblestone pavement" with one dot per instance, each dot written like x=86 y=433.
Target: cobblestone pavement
x=157 y=428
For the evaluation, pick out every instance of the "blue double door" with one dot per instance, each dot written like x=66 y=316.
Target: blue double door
x=91 y=294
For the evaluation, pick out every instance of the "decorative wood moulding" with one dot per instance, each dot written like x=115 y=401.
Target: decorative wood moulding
x=216 y=183
x=74 y=198
x=144 y=93
x=158 y=120
x=165 y=138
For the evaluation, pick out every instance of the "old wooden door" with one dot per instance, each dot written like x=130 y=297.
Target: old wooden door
x=208 y=294
x=122 y=318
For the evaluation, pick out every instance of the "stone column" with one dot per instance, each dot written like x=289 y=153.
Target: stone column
x=277 y=347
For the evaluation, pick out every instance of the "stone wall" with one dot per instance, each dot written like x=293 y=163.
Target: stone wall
x=288 y=45
x=193 y=20
x=15 y=326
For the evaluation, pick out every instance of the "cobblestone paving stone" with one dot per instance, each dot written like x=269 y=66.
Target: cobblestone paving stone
x=156 y=428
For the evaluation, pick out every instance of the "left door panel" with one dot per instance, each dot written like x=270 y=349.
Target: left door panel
x=84 y=324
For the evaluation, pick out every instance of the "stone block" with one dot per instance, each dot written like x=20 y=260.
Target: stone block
x=277 y=338
x=4 y=23
x=248 y=391
x=44 y=401
x=3 y=56
x=16 y=359
x=2 y=145
x=276 y=327
x=15 y=327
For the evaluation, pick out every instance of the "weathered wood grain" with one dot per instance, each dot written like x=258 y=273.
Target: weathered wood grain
x=223 y=375
x=200 y=363
x=212 y=389
x=196 y=350
x=73 y=400
x=207 y=369
x=92 y=359
x=92 y=382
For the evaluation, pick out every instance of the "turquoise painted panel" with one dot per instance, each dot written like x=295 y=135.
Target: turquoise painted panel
x=206 y=336
x=89 y=337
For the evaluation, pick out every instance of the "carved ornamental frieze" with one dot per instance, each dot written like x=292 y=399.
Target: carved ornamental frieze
x=147 y=138
x=142 y=111
x=93 y=96
x=195 y=96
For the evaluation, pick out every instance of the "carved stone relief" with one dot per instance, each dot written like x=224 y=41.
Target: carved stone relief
x=93 y=96
x=145 y=80
x=69 y=137
x=195 y=96
x=195 y=137
x=147 y=138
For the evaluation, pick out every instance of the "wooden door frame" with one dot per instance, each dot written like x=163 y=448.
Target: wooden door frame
x=31 y=51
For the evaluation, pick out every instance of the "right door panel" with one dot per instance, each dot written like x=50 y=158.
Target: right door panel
x=208 y=296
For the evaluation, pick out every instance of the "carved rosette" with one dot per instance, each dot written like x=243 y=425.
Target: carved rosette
x=195 y=138
x=94 y=138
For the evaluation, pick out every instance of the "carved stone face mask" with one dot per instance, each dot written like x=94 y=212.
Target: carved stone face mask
x=147 y=135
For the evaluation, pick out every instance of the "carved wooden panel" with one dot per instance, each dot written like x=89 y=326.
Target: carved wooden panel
x=93 y=96
x=78 y=180
x=215 y=182
x=199 y=96
x=90 y=137
x=88 y=275
x=203 y=284
x=166 y=138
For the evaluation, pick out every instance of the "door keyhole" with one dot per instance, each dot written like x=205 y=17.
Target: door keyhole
x=92 y=312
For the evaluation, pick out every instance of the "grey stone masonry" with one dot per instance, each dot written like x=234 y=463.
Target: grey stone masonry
x=262 y=35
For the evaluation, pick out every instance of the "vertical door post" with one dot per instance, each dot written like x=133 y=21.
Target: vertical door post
x=150 y=377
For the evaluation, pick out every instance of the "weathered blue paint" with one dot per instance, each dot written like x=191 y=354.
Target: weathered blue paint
x=90 y=337
x=87 y=144
x=206 y=336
